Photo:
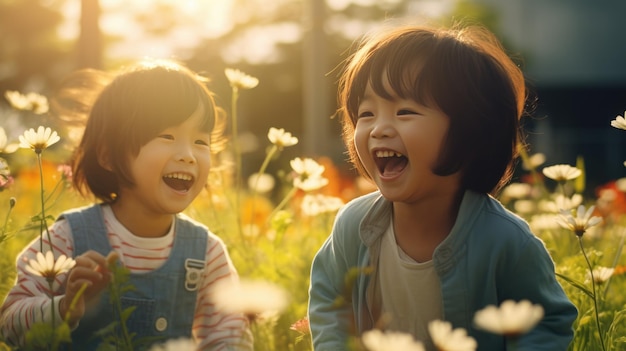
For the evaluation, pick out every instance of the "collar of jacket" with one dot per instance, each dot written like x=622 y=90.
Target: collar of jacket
x=378 y=217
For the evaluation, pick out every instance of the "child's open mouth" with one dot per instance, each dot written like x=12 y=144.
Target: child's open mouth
x=179 y=181
x=390 y=163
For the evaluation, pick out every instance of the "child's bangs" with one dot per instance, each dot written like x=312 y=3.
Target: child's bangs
x=169 y=107
x=402 y=79
x=396 y=71
x=169 y=101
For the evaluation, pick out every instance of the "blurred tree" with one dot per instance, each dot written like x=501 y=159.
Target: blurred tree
x=89 y=46
x=295 y=48
x=31 y=54
x=467 y=11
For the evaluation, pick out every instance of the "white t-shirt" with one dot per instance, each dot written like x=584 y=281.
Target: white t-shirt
x=410 y=291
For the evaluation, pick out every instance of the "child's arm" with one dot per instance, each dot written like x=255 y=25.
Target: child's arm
x=28 y=302
x=214 y=329
x=331 y=316
x=533 y=278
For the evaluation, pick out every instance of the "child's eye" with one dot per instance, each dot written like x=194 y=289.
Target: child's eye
x=202 y=142
x=407 y=112
x=365 y=114
x=166 y=136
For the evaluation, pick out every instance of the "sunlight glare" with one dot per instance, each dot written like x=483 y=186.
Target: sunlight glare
x=339 y=5
x=69 y=27
x=259 y=44
x=196 y=20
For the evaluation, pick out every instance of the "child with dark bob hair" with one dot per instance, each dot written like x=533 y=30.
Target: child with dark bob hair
x=145 y=155
x=432 y=117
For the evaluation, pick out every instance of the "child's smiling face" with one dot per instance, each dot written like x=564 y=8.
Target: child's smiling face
x=172 y=168
x=399 y=142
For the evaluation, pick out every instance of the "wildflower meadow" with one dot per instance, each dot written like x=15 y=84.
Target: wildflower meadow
x=273 y=225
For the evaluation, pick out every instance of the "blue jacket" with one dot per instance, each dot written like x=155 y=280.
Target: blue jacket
x=489 y=256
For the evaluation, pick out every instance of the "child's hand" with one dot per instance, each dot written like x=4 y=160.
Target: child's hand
x=90 y=270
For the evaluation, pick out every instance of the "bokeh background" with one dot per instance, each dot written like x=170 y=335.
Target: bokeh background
x=572 y=52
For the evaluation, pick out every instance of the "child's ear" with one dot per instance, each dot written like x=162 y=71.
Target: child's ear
x=104 y=160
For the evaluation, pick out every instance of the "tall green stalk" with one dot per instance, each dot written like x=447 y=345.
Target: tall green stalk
x=43 y=225
x=237 y=156
x=595 y=293
x=4 y=233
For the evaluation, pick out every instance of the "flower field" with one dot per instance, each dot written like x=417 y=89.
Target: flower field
x=273 y=225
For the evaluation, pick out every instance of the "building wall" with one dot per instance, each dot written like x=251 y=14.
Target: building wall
x=574 y=55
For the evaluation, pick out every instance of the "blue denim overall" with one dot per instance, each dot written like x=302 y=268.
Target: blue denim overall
x=164 y=299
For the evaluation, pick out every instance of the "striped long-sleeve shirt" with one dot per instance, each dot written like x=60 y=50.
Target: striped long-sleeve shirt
x=29 y=301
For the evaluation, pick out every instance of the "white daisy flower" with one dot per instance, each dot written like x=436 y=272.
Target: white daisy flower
x=562 y=173
x=38 y=140
x=376 y=340
x=510 y=319
x=601 y=274
x=619 y=122
x=534 y=161
x=447 y=339
x=580 y=222
x=280 y=138
x=5 y=146
x=308 y=174
x=180 y=344
x=240 y=80
x=28 y=102
x=250 y=297
x=261 y=182
x=312 y=205
x=47 y=267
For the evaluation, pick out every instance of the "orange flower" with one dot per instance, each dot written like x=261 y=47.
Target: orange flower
x=27 y=183
x=619 y=269
x=341 y=183
x=256 y=210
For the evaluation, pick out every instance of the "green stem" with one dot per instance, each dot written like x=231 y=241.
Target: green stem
x=282 y=204
x=235 y=131
x=618 y=254
x=115 y=291
x=237 y=156
x=266 y=162
x=42 y=223
x=74 y=301
x=50 y=281
x=3 y=234
x=49 y=199
x=56 y=341
x=51 y=284
x=562 y=187
x=595 y=296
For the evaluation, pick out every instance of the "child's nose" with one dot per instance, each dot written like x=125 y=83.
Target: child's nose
x=382 y=129
x=185 y=153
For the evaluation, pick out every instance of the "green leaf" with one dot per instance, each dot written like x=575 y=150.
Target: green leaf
x=39 y=337
x=64 y=333
x=127 y=312
x=579 y=182
x=578 y=285
x=109 y=329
